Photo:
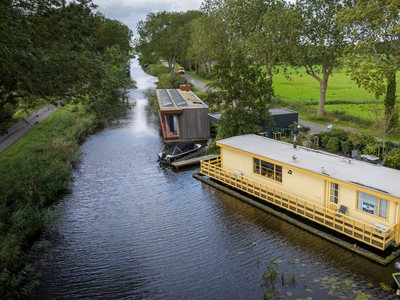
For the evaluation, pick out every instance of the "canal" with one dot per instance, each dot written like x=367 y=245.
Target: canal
x=132 y=230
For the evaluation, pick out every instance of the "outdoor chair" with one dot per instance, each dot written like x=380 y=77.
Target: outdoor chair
x=381 y=163
x=341 y=210
x=365 y=159
x=358 y=157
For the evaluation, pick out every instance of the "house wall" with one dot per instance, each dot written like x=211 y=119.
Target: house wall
x=194 y=124
x=348 y=197
x=300 y=184
x=307 y=185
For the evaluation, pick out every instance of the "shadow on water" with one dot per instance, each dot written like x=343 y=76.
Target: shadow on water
x=133 y=230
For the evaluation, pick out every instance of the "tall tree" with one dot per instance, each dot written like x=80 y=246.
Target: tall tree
x=273 y=36
x=320 y=41
x=161 y=35
x=63 y=62
x=208 y=40
x=240 y=93
x=374 y=59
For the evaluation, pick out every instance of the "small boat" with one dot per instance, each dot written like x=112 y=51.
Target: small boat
x=396 y=277
x=171 y=152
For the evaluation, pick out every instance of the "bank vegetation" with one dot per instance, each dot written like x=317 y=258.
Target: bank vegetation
x=70 y=55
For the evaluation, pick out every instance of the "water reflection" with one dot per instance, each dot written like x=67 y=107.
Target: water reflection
x=131 y=230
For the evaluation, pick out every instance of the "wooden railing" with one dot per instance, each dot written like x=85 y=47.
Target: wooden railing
x=354 y=228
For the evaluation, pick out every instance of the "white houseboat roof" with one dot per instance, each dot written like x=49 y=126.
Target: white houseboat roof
x=364 y=174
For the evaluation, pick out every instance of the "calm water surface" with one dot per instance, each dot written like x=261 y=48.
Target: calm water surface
x=131 y=230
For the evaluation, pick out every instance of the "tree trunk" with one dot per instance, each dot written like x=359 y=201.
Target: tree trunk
x=209 y=67
x=390 y=102
x=270 y=82
x=170 y=64
x=323 y=84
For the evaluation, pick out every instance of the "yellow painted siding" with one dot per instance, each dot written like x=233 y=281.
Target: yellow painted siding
x=232 y=160
x=309 y=186
x=368 y=233
x=304 y=185
x=298 y=183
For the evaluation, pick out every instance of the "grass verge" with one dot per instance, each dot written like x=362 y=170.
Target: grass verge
x=32 y=171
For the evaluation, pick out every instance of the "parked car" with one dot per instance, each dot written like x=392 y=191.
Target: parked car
x=181 y=70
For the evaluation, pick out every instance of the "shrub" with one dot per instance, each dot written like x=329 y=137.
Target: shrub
x=170 y=81
x=340 y=133
x=345 y=146
x=333 y=145
x=392 y=159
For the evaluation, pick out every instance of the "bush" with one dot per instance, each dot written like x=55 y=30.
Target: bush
x=392 y=159
x=333 y=145
x=157 y=69
x=170 y=81
x=345 y=146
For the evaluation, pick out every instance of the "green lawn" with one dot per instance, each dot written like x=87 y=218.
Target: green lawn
x=303 y=87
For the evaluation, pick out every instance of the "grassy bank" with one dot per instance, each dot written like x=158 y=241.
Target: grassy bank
x=32 y=171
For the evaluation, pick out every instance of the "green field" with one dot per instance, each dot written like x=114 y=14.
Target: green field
x=303 y=87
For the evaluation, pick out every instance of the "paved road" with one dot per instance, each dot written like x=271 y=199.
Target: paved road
x=19 y=129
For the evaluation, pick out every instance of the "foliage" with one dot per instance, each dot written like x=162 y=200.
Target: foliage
x=360 y=139
x=320 y=41
x=345 y=146
x=157 y=69
x=374 y=29
x=164 y=35
x=65 y=62
x=170 y=81
x=32 y=172
x=239 y=94
x=333 y=144
x=392 y=159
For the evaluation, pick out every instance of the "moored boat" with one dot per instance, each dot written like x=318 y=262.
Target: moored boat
x=171 y=152
x=396 y=277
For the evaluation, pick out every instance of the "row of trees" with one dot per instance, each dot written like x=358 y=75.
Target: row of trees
x=61 y=52
x=317 y=35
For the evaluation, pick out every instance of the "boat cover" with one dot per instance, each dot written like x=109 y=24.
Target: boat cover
x=182 y=147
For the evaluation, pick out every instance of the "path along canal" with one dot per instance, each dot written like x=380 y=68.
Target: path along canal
x=131 y=230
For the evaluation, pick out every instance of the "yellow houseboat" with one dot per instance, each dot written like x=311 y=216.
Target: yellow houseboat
x=355 y=198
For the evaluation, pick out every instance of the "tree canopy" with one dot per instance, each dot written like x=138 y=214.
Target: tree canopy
x=76 y=59
x=314 y=35
x=240 y=89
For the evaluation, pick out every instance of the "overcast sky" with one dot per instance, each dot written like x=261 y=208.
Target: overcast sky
x=130 y=12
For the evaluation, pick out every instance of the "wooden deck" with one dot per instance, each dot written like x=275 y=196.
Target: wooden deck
x=352 y=227
x=192 y=159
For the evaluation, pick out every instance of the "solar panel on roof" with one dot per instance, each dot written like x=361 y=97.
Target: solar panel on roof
x=178 y=98
x=166 y=99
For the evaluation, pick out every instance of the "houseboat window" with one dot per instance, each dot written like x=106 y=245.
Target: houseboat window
x=267 y=169
x=256 y=166
x=334 y=193
x=383 y=208
x=278 y=172
x=372 y=204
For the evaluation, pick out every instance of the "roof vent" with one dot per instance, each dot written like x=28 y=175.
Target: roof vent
x=294 y=157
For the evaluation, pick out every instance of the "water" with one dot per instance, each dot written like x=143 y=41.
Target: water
x=131 y=230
